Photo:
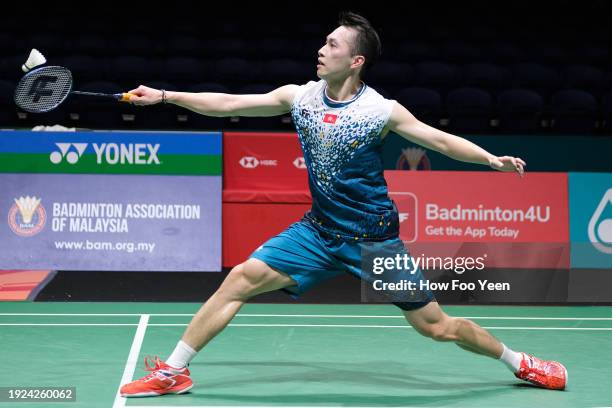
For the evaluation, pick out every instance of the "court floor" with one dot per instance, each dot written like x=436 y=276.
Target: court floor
x=296 y=355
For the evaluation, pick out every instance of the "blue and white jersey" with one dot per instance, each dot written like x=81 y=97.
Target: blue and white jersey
x=342 y=145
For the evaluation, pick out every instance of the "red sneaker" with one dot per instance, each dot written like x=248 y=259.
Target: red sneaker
x=547 y=374
x=163 y=379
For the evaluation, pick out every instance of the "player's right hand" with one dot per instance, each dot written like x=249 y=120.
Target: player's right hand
x=143 y=95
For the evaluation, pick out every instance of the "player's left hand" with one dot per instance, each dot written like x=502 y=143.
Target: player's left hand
x=508 y=163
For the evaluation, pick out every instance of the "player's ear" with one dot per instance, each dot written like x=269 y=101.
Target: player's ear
x=358 y=61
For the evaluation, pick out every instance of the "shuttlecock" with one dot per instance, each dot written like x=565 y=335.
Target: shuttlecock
x=35 y=59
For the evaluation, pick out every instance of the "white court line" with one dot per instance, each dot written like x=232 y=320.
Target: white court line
x=94 y=314
x=130 y=365
x=307 y=325
x=269 y=406
x=359 y=326
x=274 y=406
x=309 y=316
x=285 y=406
x=68 y=324
x=402 y=317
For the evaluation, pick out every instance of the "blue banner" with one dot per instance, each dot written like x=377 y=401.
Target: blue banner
x=21 y=141
x=590 y=199
x=110 y=222
x=110 y=152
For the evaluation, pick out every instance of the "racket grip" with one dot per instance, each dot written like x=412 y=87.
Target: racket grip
x=124 y=97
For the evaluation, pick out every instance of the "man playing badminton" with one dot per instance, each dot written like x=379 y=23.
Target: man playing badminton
x=341 y=123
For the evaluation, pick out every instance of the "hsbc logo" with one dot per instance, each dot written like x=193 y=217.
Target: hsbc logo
x=299 y=162
x=249 y=162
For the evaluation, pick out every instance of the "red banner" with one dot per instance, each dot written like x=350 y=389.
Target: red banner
x=507 y=220
x=265 y=189
x=265 y=163
x=517 y=222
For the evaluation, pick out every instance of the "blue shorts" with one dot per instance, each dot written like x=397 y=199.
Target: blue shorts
x=310 y=257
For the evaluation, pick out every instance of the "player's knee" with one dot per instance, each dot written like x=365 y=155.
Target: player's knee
x=434 y=331
x=242 y=280
x=253 y=272
x=235 y=286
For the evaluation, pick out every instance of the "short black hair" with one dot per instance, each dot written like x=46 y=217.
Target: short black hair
x=367 y=41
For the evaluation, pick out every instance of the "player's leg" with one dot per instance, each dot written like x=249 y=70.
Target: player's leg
x=431 y=321
x=244 y=281
x=295 y=259
x=419 y=305
x=425 y=315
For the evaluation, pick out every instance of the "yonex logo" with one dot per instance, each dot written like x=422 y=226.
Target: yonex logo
x=249 y=162
x=71 y=156
x=299 y=162
x=108 y=153
x=39 y=87
x=132 y=153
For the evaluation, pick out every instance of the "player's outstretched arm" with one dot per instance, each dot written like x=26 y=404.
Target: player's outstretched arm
x=406 y=125
x=276 y=102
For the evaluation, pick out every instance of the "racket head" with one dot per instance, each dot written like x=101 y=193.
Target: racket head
x=43 y=89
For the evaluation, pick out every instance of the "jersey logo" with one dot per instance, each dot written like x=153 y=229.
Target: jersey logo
x=330 y=118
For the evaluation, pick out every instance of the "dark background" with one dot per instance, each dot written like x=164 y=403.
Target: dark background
x=543 y=47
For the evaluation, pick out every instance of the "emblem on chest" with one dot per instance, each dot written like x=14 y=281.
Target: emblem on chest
x=330 y=118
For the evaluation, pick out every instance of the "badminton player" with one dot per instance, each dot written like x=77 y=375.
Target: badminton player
x=341 y=123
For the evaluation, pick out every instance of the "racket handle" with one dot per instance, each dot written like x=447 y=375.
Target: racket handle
x=124 y=97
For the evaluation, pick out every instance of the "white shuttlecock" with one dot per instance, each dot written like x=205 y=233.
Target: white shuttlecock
x=35 y=59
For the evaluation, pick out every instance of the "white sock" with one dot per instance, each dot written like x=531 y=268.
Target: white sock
x=181 y=356
x=511 y=359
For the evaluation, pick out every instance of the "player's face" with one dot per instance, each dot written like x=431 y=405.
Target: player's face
x=335 y=57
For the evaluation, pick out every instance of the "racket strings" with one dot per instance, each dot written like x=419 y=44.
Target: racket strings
x=43 y=89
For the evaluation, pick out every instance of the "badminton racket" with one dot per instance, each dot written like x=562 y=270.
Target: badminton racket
x=46 y=88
